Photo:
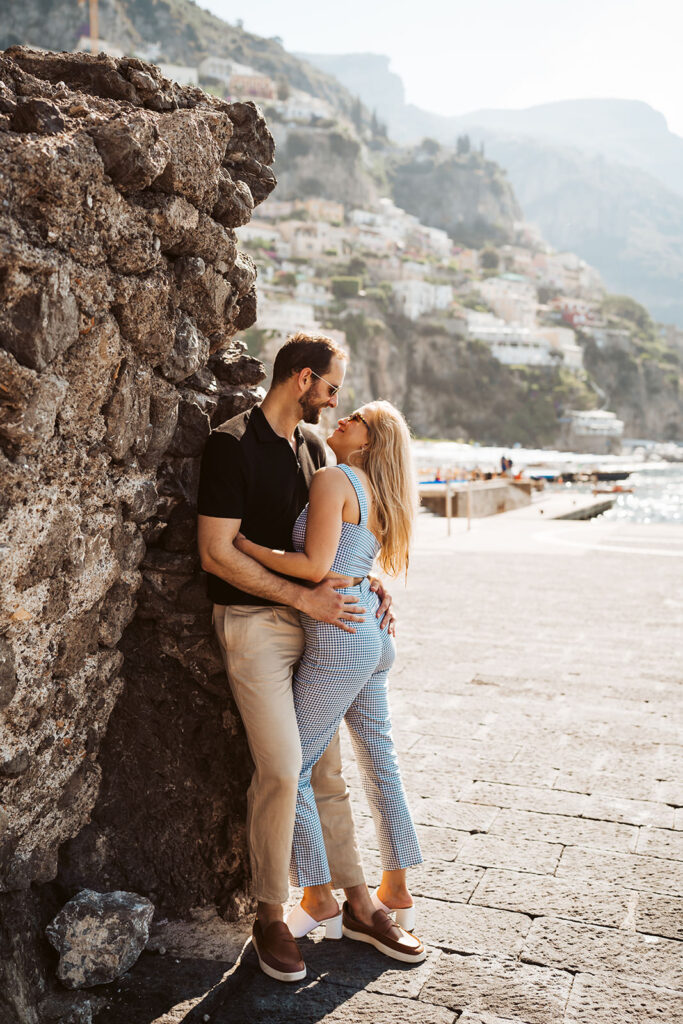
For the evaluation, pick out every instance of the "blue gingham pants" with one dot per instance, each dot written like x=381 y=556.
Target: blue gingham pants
x=344 y=675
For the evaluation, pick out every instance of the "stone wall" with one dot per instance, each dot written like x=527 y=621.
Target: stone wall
x=122 y=762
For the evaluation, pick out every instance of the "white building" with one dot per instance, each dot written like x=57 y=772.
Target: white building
x=216 y=67
x=311 y=239
x=301 y=106
x=257 y=229
x=593 y=430
x=511 y=297
x=285 y=318
x=512 y=344
x=415 y=298
x=313 y=292
x=431 y=240
x=563 y=340
x=179 y=73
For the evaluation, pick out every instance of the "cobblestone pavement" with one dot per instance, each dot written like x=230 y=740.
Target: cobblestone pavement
x=536 y=702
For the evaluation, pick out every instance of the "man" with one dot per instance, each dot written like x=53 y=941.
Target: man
x=255 y=474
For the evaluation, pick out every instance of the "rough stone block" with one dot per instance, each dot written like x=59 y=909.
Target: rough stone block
x=234 y=204
x=8 y=673
x=518 y=854
x=443 y=881
x=632 y=872
x=189 y=353
x=536 y=995
x=469 y=929
x=477 y=1017
x=453 y=814
x=582 y=947
x=610 y=1000
x=99 y=936
x=659 y=842
x=526 y=798
x=196 y=152
x=633 y=812
x=131 y=151
x=629 y=785
x=593 y=902
x=39 y=318
x=143 y=311
x=127 y=414
x=555 y=828
x=659 y=915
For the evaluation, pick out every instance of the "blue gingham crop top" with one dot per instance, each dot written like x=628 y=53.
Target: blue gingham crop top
x=358 y=547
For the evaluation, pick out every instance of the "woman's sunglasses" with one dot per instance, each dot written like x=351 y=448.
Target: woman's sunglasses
x=358 y=417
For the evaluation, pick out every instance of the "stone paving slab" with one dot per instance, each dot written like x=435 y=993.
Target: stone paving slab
x=582 y=947
x=527 y=798
x=670 y=793
x=502 y=852
x=632 y=812
x=661 y=843
x=608 y=1000
x=659 y=915
x=466 y=928
x=535 y=718
x=440 y=880
x=651 y=874
x=587 y=901
x=461 y=816
x=476 y=1017
x=556 y=828
x=629 y=785
x=536 y=995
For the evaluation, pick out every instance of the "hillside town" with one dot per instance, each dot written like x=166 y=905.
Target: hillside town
x=321 y=261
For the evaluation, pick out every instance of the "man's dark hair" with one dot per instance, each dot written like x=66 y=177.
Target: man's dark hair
x=314 y=351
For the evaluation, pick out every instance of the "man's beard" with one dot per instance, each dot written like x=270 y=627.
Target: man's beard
x=310 y=410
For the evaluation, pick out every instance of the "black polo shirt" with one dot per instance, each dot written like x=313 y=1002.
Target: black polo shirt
x=249 y=472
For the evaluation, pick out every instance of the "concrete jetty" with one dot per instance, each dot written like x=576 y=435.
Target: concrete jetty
x=536 y=704
x=482 y=498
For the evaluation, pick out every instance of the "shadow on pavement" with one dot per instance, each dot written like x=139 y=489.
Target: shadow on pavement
x=156 y=988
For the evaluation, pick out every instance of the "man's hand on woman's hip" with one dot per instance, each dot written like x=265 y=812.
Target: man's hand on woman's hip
x=325 y=603
x=384 y=612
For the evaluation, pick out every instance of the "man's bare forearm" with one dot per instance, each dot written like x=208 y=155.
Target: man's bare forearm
x=238 y=569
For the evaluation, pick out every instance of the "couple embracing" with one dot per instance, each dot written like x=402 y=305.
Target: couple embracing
x=307 y=639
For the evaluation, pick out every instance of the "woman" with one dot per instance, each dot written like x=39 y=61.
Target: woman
x=359 y=510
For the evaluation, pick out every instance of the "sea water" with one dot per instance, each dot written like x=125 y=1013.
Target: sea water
x=657 y=495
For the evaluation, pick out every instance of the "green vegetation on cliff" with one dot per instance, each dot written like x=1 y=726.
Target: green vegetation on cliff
x=462 y=193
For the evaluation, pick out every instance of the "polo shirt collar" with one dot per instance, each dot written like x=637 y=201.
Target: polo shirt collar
x=265 y=432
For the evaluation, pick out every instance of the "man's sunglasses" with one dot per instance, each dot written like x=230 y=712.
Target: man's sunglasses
x=333 y=388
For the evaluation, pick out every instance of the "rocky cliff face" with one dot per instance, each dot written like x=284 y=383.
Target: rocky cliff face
x=121 y=288
x=329 y=162
x=467 y=196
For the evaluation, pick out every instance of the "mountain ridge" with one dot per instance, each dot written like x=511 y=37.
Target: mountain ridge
x=589 y=190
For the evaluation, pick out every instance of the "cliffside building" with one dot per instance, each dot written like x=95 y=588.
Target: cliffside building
x=592 y=430
x=179 y=73
x=415 y=298
x=511 y=297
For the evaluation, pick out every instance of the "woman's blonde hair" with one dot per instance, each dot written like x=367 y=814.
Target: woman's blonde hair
x=388 y=462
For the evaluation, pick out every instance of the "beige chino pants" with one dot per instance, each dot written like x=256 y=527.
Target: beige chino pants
x=261 y=646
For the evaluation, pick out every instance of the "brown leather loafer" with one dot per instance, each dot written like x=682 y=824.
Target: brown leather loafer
x=384 y=935
x=278 y=954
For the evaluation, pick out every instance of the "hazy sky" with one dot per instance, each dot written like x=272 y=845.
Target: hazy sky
x=455 y=57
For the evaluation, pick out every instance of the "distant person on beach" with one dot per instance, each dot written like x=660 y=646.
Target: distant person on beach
x=255 y=473
x=360 y=510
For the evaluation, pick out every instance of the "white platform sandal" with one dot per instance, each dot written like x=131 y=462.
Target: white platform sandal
x=300 y=923
x=405 y=917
